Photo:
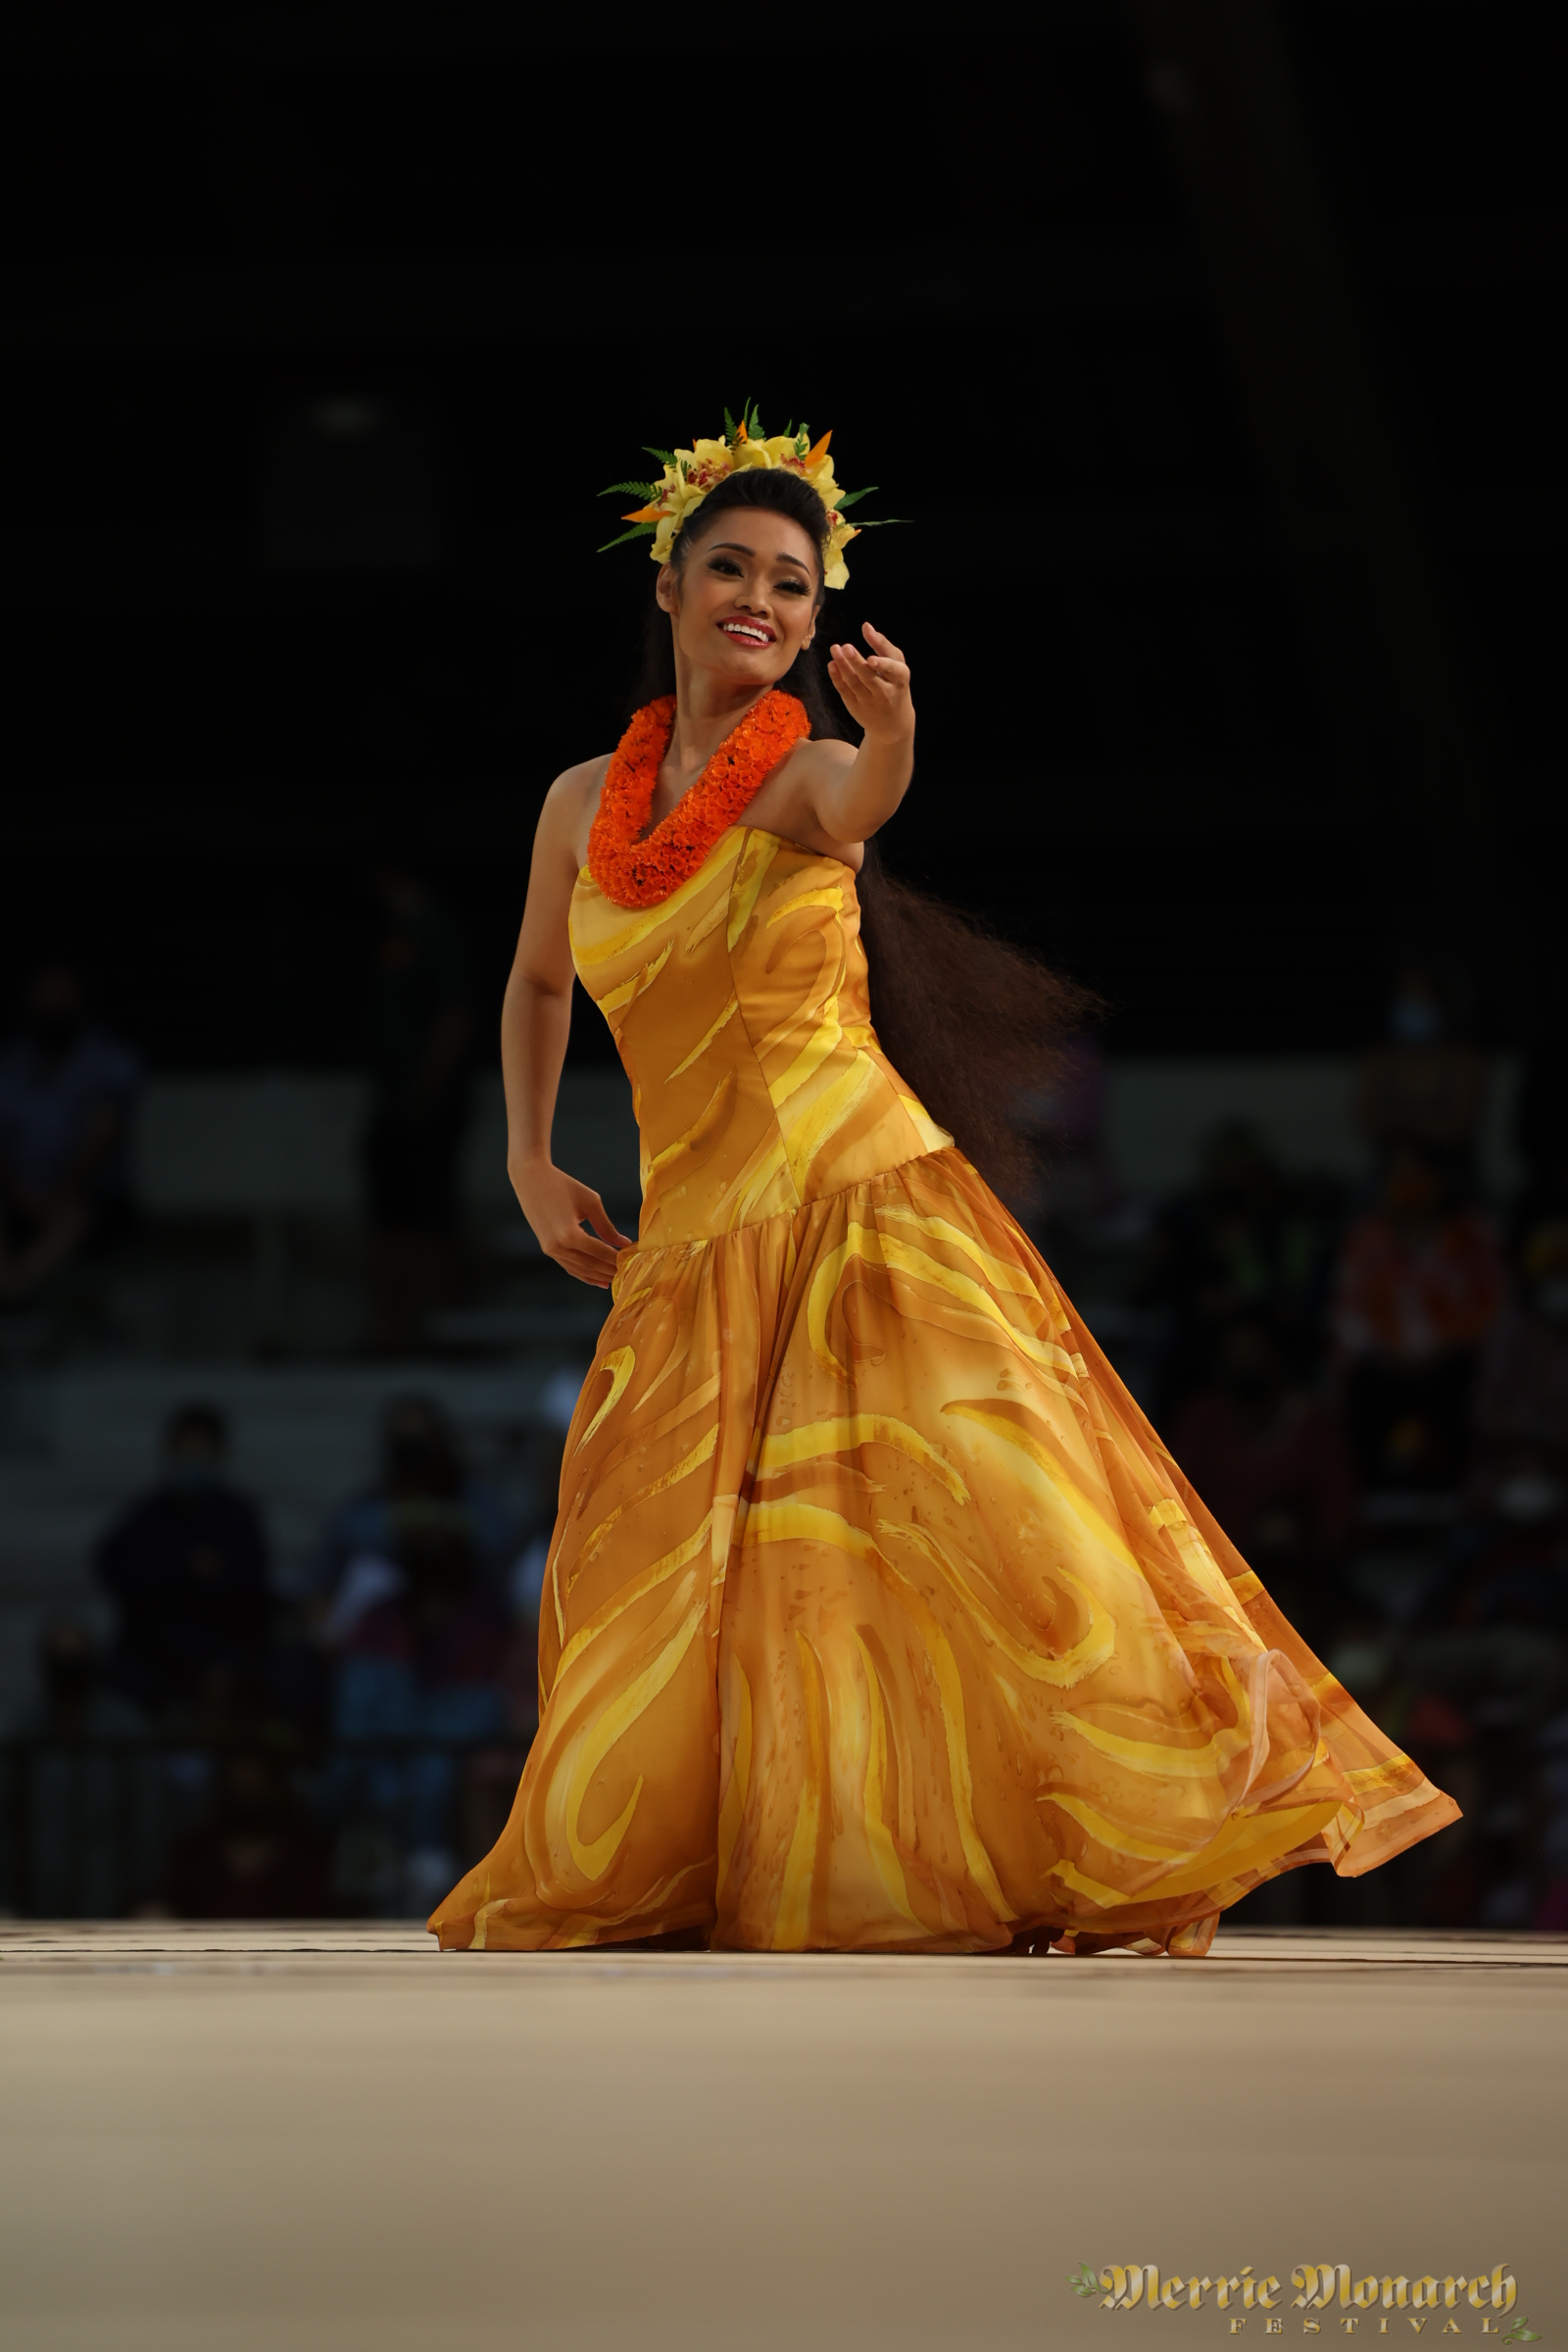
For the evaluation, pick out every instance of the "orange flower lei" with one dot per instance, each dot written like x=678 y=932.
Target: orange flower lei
x=641 y=873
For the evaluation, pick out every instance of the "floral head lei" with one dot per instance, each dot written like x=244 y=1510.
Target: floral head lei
x=690 y=474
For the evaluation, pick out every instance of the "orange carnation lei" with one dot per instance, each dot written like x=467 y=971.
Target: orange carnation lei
x=634 y=872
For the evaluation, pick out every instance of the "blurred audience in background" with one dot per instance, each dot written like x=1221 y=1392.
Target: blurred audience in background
x=421 y=1463
x=66 y=1094
x=1067 y=1121
x=558 y=1401
x=1419 y=1283
x=1522 y=1400
x=419 y=1048
x=1422 y=1087
x=1547 y=1797
x=1540 y=1113
x=1245 y=1239
x=259 y=1854
x=411 y=1586
x=182 y=1771
x=1268 y=1459
x=79 y=1810
x=1371 y=1396
x=1489 y=1644
x=186 y=1570
x=420 y=1641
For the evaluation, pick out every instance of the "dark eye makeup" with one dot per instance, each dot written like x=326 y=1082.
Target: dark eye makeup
x=787 y=585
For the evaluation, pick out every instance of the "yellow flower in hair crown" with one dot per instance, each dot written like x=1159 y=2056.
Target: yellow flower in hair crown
x=690 y=474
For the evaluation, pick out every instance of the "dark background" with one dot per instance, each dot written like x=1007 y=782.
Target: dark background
x=1218 y=354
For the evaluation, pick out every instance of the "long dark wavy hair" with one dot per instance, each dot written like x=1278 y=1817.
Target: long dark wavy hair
x=973 y=1024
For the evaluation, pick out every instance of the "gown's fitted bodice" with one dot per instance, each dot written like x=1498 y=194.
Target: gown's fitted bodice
x=740 y=1009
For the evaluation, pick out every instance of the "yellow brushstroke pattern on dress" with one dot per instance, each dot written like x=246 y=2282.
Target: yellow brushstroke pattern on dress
x=620 y=1363
x=593 y=1859
x=792 y=1922
x=884 y=1852
x=737 y=1788
x=635 y=1589
x=700 y=1453
x=781 y=1449
x=687 y=1060
x=633 y=988
x=876 y=1616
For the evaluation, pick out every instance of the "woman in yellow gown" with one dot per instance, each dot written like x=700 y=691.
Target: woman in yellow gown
x=876 y=1616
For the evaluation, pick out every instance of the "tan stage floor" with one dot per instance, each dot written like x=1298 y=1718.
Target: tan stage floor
x=337 y=2141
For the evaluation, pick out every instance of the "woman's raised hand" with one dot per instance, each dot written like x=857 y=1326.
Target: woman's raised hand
x=557 y=1207
x=875 y=691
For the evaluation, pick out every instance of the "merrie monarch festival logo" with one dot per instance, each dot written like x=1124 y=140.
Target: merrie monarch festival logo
x=1371 y=2303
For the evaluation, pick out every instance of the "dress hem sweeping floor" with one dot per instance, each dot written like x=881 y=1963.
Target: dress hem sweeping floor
x=877 y=1617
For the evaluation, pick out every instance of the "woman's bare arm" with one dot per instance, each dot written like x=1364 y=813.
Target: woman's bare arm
x=535 y=1023
x=854 y=796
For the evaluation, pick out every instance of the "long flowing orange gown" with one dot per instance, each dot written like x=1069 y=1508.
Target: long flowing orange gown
x=876 y=1615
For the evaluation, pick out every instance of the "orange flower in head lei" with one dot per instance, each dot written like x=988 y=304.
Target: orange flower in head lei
x=636 y=873
x=690 y=474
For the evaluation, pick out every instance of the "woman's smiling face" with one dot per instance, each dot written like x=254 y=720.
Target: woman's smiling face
x=744 y=603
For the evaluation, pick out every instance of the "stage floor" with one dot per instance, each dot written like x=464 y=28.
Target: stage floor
x=334 y=2139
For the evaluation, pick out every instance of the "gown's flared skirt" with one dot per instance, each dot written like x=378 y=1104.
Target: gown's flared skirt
x=877 y=1616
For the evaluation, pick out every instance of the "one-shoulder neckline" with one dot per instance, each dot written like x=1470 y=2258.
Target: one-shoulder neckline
x=585 y=873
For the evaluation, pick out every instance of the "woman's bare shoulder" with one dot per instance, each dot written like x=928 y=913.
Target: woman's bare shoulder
x=814 y=760
x=788 y=803
x=572 y=803
x=575 y=786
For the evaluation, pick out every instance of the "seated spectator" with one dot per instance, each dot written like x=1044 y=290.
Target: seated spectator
x=1422 y=1088
x=1272 y=1466
x=421 y=1463
x=1419 y=1285
x=1244 y=1239
x=83 y=1794
x=260 y=1856
x=421 y=1644
x=1522 y=1399
x=186 y=1569
x=66 y=1097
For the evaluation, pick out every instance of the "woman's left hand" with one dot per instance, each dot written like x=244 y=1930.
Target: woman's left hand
x=875 y=691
